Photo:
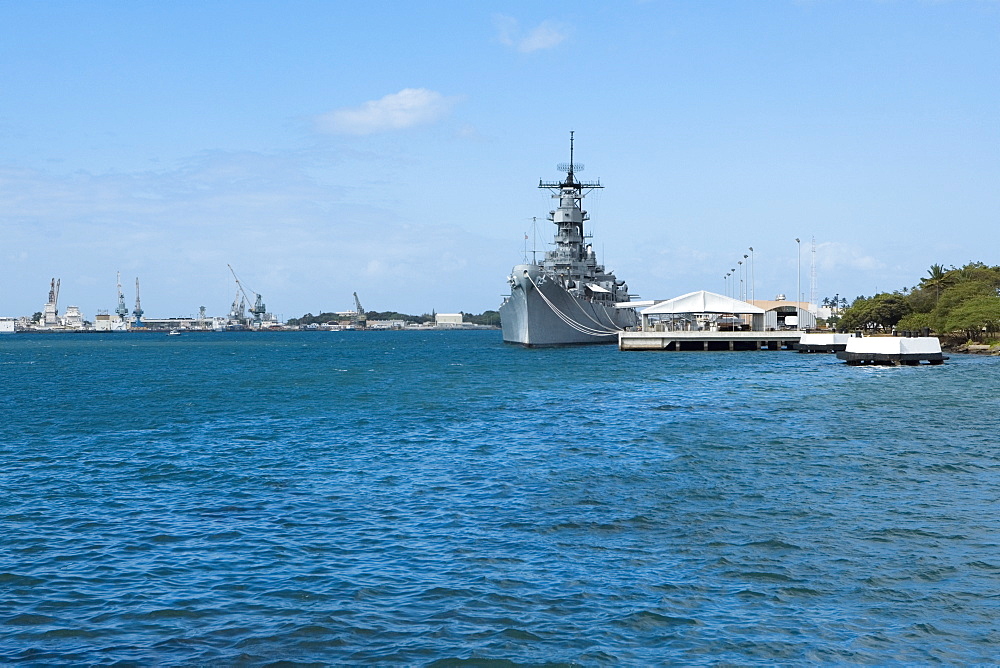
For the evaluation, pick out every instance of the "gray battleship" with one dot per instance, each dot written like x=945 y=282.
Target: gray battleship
x=569 y=298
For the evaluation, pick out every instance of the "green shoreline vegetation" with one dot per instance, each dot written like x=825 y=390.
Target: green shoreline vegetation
x=959 y=304
x=484 y=318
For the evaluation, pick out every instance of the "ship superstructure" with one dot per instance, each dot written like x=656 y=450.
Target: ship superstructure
x=569 y=298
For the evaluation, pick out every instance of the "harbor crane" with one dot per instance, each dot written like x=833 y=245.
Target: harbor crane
x=137 y=312
x=121 y=310
x=50 y=316
x=258 y=310
x=360 y=319
x=237 y=311
x=54 y=292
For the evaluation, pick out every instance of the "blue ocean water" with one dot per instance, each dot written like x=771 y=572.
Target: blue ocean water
x=443 y=499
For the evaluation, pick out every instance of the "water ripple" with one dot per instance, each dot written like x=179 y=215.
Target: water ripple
x=442 y=499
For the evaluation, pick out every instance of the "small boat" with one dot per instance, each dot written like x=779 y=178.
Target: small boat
x=174 y=332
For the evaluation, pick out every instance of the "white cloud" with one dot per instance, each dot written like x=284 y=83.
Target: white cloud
x=397 y=111
x=276 y=218
x=833 y=256
x=545 y=35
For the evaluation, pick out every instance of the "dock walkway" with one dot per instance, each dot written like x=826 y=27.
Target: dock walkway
x=708 y=340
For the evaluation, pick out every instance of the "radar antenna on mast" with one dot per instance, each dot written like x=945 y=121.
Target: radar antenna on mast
x=570 y=167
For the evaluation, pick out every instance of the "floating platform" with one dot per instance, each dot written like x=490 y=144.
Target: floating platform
x=822 y=342
x=708 y=340
x=892 y=350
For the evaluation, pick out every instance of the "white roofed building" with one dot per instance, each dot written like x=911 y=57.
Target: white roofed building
x=705 y=321
x=702 y=311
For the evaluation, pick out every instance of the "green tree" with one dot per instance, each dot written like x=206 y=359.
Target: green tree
x=923 y=299
x=937 y=278
x=857 y=315
x=955 y=295
x=958 y=300
x=976 y=317
x=914 y=322
x=882 y=311
x=395 y=315
x=977 y=271
x=484 y=318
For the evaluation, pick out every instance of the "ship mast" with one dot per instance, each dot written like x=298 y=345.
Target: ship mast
x=569 y=168
x=570 y=216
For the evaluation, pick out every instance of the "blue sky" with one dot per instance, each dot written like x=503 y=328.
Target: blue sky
x=394 y=148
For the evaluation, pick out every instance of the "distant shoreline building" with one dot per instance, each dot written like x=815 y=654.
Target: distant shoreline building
x=73 y=319
x=445 y=319
x=783 y=314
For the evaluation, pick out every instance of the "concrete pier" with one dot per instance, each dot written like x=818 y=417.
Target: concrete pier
x=708 y=340
x=823 y=342
x=893 y=350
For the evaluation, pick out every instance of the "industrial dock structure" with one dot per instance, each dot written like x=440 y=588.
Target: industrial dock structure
x=247 y=313
x=240 y=317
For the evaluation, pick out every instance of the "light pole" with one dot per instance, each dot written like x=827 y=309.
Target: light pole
x=753 y=296
x=798 y=283
x=739 y=263
x=745 y=256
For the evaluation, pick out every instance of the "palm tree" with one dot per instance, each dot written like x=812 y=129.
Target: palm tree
x=937 y=278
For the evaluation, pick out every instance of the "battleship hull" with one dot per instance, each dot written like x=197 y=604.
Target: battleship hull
x=569 y=298
x=542 y=314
